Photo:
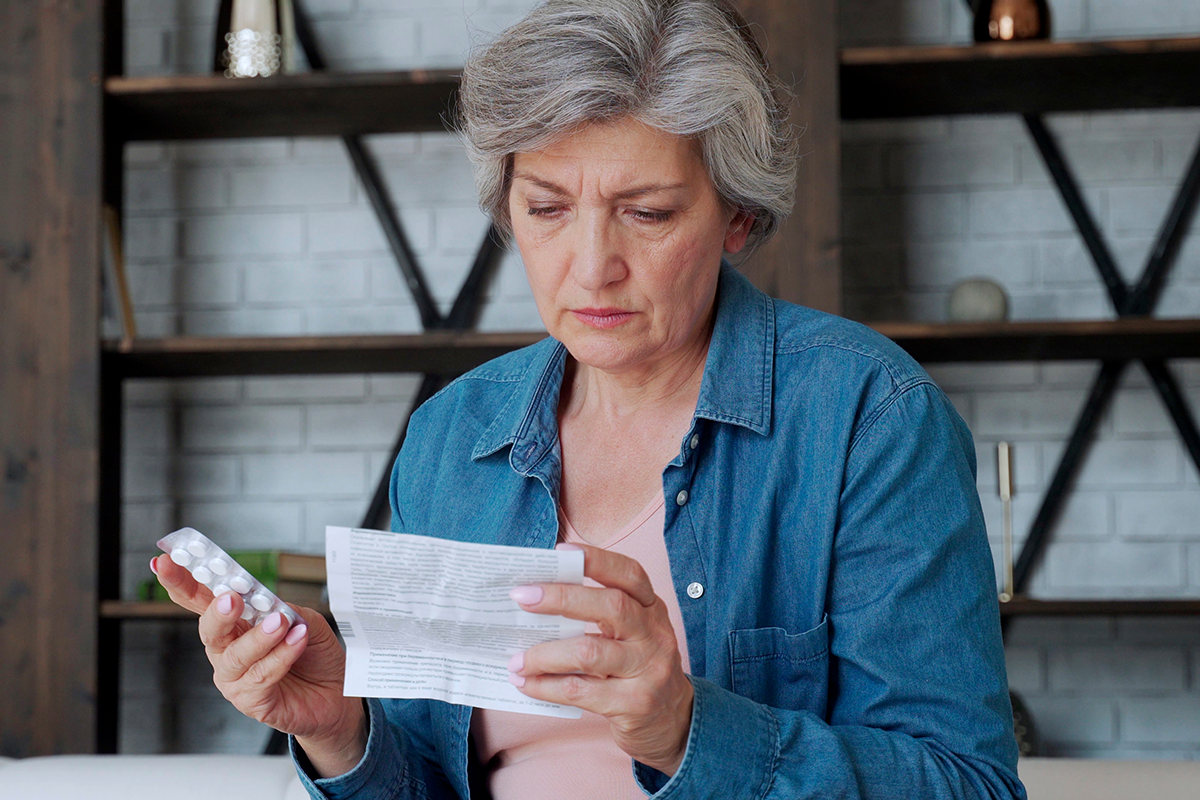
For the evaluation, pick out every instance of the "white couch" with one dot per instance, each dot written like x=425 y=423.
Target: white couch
x=207 y=777
x=272 y=778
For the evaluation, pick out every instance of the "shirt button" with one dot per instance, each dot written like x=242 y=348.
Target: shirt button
x=695 y=442
x=695 y=590
x=681 y=498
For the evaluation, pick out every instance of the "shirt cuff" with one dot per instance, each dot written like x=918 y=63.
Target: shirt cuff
x=379 y=766
x=732 y=747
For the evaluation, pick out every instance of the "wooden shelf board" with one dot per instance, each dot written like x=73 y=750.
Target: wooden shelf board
x=443 y=353
x=1028 y=607
x=152 y=610
x=1019 y=77
x=139 y=609
x=1042 y=341
x=450 y=353
x=1020 y=607
x=876 y=83
x=310 y=104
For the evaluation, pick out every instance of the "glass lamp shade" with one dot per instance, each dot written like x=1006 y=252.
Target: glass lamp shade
x=1011 y=20
x=254 y=38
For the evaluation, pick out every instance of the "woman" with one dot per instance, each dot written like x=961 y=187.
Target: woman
x=789 y=585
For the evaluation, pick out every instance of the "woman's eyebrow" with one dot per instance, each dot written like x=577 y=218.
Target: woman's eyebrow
x=540 y=182
x=636 y=191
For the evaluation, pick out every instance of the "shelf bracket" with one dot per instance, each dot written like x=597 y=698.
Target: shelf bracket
x=1139 y=300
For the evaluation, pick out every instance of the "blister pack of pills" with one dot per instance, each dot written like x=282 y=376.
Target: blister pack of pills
x=213 y=567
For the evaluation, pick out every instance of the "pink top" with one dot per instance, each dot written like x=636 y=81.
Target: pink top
x=543 y=758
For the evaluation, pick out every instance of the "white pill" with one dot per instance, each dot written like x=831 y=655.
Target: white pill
x=248 y=613
x=219 y=566
x=261 y=602
x=203 y=575
x=220 y=590
x=240 y=584
x=181 y=557
x=197 y=548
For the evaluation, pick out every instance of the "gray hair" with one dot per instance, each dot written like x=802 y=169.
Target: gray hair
x=686 y=67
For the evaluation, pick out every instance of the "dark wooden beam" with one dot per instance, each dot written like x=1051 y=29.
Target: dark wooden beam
x=1019 y=78
x=803 y=263
x=857 y=83
x=1047 y=341
x=50 y=103
x=1028 y=607
x=439 y=352
x=450 y=353
x=310 y=104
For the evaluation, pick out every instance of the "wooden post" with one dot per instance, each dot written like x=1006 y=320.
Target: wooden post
x=50 y=139
x=803 y=263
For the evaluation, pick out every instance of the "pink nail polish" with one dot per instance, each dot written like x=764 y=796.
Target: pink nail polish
x=225 y=604
x=516 y=680
x=567 y=546
x=153 y=566
x=527 y=595
x=516 y=663
x=296 y=634
x=271 y=623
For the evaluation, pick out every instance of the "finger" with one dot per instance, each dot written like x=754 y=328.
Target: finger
x=597 y=656
x=221 y=623
x=252 y=653
x=581 y=691
x=617 y=614
x=616 y=571
x=183 y=589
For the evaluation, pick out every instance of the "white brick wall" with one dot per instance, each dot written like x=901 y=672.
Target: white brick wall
x=248 y=237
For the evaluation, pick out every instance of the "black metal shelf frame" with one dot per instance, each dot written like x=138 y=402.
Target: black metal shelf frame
x=462 y=316
x=1128 y=301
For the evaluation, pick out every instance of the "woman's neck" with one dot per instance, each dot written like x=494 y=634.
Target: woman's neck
x=663 y=387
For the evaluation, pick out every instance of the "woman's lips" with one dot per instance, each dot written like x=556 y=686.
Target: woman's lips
x=602 y=318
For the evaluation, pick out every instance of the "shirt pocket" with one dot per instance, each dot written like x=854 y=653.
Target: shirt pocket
x=781 y=669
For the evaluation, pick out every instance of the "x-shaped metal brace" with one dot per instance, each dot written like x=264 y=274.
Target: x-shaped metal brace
x=1129 y=301
x=466 y=306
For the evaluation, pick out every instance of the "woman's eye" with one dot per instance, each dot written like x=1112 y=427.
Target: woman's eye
x=645 y=215
x=544 y=211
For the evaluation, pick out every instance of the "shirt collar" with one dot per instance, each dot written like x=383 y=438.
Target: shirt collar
x=736 y=388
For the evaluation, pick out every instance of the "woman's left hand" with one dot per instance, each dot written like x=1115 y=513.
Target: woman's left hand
x=630 y=672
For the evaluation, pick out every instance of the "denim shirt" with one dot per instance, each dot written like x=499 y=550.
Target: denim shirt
x=827 y=549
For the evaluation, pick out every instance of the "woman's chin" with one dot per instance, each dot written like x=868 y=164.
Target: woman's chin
x=604 y=350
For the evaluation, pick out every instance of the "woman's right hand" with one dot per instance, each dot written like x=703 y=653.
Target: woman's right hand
x=290 y=680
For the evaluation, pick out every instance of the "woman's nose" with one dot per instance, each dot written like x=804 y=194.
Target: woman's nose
x=598 y=260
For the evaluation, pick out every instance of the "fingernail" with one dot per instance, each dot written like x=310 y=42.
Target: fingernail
x=296 y=634
x=516 y=680
x=271 y=623
x=225 y=603
x=567 y=546
x=153 y=566
x=516 y=663
x=527 y=595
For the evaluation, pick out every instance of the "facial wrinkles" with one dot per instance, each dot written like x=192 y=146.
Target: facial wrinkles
x=597 y=205
x=602 y=189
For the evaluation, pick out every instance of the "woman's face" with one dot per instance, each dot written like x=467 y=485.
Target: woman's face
x=622 y=233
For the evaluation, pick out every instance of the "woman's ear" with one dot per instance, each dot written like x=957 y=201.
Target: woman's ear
x=738 y=231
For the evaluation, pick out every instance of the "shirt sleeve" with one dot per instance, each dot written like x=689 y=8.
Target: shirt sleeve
x=918 y=696
x=390 y=769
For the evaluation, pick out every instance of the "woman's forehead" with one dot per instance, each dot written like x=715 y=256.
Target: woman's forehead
x=626 y=153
